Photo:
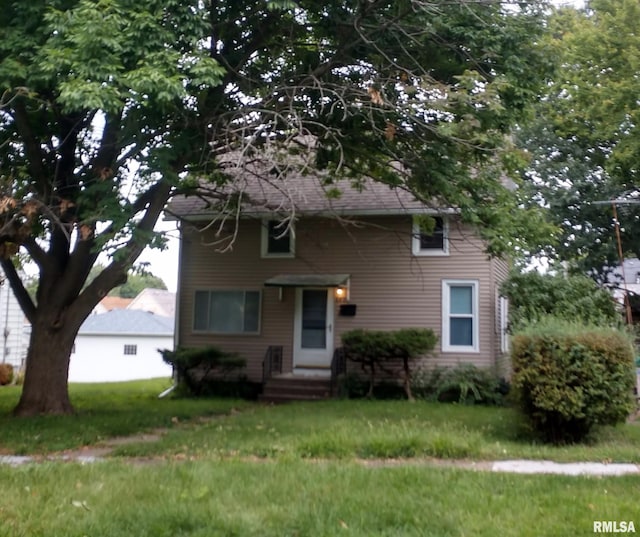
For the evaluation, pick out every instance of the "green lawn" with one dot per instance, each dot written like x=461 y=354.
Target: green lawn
x=381 y=429
x=103 y=411
x=296 y=470
x=332 y=429
x=298 y=498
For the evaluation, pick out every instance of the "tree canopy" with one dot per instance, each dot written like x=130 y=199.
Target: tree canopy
x=585 y=143
x=109 y=107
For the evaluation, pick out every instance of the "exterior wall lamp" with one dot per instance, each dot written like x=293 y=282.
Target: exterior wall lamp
x=341 y=293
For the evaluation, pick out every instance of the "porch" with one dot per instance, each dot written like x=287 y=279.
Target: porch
x=310 y=385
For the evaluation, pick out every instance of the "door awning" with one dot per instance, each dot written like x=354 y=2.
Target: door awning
x=307 y=280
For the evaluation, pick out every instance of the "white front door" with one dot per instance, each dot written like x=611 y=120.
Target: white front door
x=313 y=329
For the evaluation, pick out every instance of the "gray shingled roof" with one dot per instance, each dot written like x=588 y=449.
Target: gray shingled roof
x=129 y=322
x=303 y=195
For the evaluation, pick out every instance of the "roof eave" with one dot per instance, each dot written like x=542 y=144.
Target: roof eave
x=132 y=334
x=196 y=217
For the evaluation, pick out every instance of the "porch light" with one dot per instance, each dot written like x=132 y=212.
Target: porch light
x=341 y=294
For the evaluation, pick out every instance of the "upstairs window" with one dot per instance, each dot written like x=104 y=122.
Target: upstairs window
x=434 y=243
x=278 y=239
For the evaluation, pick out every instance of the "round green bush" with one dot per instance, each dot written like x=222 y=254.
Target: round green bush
x=568 y=379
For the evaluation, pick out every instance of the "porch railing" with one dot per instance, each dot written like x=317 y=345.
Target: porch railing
x=272 y=363
x=338 y=367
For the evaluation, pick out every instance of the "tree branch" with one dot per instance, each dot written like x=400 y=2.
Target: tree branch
x=35 y=156
x=38 y=255
x=19 y=291
x=108 y=151
x=154 y=199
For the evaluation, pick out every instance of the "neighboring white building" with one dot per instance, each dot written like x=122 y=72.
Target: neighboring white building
x=14 y=340
x=158 y=301
x=121 y=345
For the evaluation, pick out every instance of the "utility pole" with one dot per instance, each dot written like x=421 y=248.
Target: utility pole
x=616 y=223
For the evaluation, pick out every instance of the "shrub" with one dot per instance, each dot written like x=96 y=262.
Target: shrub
x=568 y=379
x=6 y=374
x=200 y=370
x=465 y=383
x=534 y=296
x=376 y=351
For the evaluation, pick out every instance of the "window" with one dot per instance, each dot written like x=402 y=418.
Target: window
x=460 y=316
x=130 y=350
x=435 y=243
x=278 y=239
x=227 y=312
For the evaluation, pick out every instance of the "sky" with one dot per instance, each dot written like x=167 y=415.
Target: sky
x=164 y=264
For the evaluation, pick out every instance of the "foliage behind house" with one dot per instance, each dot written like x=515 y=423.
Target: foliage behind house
x=533 y=296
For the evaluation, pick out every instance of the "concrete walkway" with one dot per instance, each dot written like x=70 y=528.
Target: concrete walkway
x=572 y=468
x=514 y=466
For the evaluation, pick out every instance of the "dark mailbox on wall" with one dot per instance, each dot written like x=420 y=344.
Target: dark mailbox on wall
x=347 y=310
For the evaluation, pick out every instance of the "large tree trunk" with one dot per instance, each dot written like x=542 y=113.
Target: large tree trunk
x=45 y=389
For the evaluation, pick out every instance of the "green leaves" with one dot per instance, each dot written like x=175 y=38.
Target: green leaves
x=280 y=5
x=534 y=296
x=584 y=142
x=109 y=53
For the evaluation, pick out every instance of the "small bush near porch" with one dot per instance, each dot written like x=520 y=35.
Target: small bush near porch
x=207 y=371
x=389 y=354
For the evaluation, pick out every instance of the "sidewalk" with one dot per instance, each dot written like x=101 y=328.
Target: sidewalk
x=572 y=468
x=89 y=456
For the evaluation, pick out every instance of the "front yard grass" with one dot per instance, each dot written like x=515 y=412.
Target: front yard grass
x=381 y=429
x=103 y=411
x=302 y=498
x=231 y=468
x=331 y=429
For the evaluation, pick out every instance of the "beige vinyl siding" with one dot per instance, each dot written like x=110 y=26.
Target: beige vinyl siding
x=390 y=287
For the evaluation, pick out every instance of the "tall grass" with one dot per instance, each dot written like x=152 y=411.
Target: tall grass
x=301 y=499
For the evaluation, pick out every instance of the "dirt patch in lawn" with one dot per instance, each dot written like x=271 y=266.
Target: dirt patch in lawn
x=107 y=447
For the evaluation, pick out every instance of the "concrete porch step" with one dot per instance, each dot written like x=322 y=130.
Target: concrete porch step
x=296 y=388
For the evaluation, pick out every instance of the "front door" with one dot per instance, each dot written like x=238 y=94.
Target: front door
x=313 y=330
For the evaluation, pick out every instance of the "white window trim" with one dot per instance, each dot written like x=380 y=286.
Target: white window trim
x=415 y=239
x=505 y=343
x=264 y=241
x=216 y=332
x=446 y=316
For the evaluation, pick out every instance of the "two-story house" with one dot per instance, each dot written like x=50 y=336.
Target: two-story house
x=300 y=263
